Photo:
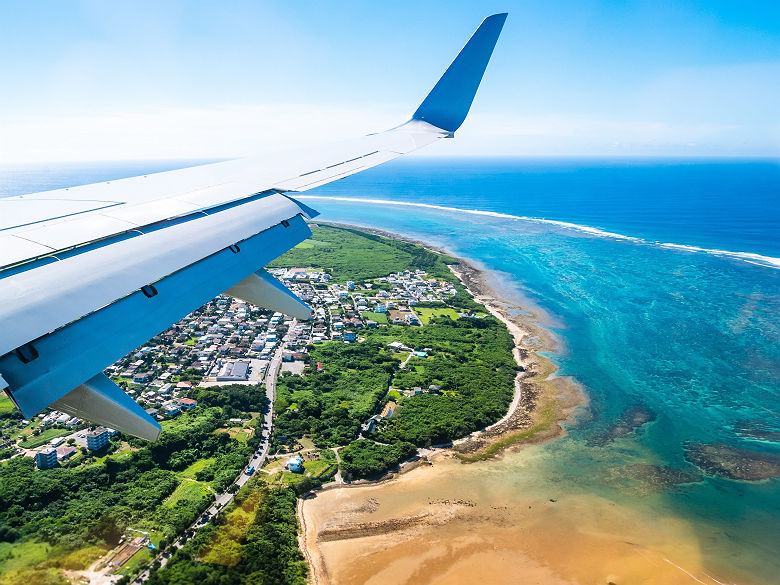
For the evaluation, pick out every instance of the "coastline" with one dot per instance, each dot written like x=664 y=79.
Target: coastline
x=540 y=405
x=541 y=401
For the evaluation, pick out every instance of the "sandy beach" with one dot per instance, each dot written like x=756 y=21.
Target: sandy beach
x=478 y=512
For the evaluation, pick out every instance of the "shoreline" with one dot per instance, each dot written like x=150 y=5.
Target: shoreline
x=536 y=386
x=541 y=402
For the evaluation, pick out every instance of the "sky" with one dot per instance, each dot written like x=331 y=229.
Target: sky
x=97 y=80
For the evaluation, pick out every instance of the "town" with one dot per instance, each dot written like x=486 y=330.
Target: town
x=230 y=342
x=257 y=409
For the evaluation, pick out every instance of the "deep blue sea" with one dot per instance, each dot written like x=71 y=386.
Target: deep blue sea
x=659 y=278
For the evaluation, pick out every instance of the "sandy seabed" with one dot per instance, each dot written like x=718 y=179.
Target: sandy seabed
x=449 y=522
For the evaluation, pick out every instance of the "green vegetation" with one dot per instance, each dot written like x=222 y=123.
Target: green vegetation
x=187 y=491
x=67 y=511
x=6 y=406
x=353 y=255
x=253 y=541
x=332 y=404
x=363 y=458
x=469 y=362
x=44 y=437
x=547 y=417
x=378 y=317
x=425 y=313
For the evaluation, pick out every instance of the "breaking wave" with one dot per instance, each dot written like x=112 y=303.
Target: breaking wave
x=750 y=257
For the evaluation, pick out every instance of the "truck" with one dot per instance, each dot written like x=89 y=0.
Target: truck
x=250 y=470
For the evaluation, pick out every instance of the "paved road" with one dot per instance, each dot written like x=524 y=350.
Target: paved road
x=257 y=460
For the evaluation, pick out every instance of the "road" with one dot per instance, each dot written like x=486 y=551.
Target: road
x=257 y=460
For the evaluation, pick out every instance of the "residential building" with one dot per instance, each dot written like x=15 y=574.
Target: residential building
x=97 y=439
x=46 y=459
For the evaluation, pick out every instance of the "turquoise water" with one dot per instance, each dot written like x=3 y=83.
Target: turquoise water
x=690 y=340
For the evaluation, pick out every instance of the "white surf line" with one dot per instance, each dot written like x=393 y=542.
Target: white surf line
x=691 y=575
x=750 y=257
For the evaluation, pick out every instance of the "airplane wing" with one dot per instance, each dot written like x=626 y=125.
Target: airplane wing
x=89 y=273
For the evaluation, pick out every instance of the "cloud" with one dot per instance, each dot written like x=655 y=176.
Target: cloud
x=160 y=133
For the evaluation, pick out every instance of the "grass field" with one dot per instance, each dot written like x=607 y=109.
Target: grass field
x=199 y=465
x=319 y=468
x=224 y=547
x=425 y=314
x=5 y=404
x=20 y=555
x=45 y=436
x=352 y=255
x=187 y=490
x=378 y=317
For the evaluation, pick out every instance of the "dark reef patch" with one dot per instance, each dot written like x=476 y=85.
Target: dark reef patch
x=644 y=479
x=631 y=419
x=733 y=463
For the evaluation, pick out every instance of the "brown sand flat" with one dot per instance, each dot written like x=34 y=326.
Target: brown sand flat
x=420 y=531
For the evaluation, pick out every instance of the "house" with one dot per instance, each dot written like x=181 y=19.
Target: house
x=46 y=459
x=372 y=423
x=350 y=336
x=171 y=410
x=97 y=439
x=187 y=402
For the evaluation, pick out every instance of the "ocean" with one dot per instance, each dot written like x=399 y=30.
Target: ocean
x=660 y=280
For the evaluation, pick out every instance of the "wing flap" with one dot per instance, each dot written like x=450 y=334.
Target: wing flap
x=101 y=401
x=263 y=290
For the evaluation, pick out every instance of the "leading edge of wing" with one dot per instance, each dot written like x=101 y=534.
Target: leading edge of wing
x=41 y=224
x=77 y=293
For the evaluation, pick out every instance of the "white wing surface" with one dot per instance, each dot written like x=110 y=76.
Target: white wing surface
x=89 y=273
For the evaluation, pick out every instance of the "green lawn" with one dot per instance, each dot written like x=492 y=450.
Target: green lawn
x=20 y=555
x=45 y=436
x=187 y=490
x=199 y=465
x=378 y=317
x=425 y=314
x=319 y=468
x=5 y=404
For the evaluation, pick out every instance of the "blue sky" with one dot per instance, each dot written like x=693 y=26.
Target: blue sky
x=139 y=80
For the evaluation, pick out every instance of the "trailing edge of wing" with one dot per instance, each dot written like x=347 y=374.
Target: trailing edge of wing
x=101 y=401
x=450 y=100
x=88 y=273
x=263 y=290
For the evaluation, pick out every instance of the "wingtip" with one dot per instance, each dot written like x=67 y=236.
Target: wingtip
x=448 y=103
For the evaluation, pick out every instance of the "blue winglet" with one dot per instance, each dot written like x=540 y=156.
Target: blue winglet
x=450 y=99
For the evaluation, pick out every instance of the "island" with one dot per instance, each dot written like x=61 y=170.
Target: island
x=408 y=352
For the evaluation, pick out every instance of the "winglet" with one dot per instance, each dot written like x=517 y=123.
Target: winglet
x=450 y=99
